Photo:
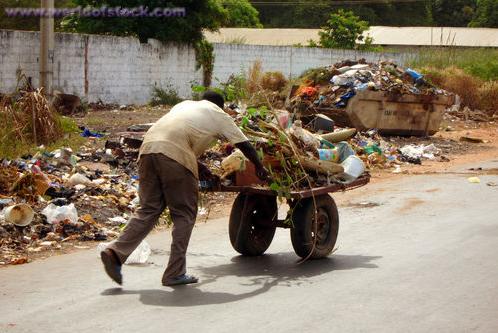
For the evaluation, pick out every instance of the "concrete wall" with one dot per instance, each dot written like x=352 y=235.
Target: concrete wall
x=121 y=70
x=291 y=61
x=111 y=69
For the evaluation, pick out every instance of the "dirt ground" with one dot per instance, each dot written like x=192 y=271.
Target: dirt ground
x=115 y=120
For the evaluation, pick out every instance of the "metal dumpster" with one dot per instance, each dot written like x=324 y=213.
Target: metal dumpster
x=391 y=113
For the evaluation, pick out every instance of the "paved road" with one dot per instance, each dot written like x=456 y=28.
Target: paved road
x=420 y=257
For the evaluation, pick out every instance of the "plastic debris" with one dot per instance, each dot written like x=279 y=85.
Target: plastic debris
x=117 y=220
x=56 y=214
x=138 y=256
x=474 y=180
x=420 y=151
x=307 y=138
x=233 y=162
x=20 y=214
x=353 y=168
x=78 y=179
x=86 y=133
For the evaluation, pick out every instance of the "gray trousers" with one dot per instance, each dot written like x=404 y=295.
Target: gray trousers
x=163 y=183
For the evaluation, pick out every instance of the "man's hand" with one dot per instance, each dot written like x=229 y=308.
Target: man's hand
x=263 y=173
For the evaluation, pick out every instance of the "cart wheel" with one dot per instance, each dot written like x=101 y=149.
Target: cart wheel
x=303 y=230
x=252 y=227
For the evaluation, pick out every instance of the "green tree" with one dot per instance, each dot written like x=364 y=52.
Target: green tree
x=200 y=14
x=240 y=13
x=343 y=30
x=453 y=13
x=486 y=14
x=313 y=13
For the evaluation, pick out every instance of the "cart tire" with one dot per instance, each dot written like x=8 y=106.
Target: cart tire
x=255 y=228
x=303 y=230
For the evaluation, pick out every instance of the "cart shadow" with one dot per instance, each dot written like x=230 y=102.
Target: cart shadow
x=282 y=268
x=261 y=273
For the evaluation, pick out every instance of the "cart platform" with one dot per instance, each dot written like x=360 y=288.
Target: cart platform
x=335 y=187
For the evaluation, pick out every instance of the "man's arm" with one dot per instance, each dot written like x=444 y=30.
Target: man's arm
x=204 y=172
x=248 y=150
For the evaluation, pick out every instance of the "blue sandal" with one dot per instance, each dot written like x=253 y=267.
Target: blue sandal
x=179 y=280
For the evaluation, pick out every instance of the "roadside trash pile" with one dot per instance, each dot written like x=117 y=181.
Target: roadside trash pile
x=334 y=86
x=54 y=199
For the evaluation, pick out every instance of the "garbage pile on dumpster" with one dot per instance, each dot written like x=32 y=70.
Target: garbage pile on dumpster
x=334 y=86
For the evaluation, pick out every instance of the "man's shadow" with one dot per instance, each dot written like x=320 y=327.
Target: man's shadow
x=262 y=273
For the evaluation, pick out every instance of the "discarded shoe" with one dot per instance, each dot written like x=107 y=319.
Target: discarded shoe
x=112 y=265
x=182 y=279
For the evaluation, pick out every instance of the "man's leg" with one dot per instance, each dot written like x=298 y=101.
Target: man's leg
x=152 y=204
x=180 y=187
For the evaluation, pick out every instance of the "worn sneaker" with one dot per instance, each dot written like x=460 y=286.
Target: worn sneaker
x=182 y=279
x=112 y=265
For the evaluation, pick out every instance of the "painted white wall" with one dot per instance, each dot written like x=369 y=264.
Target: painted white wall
x=121 y=70
x=291 y=61
x=110 y=69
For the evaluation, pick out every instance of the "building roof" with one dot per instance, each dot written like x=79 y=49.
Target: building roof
x=388 y=36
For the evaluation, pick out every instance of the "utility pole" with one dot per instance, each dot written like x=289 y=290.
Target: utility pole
x=46 y=46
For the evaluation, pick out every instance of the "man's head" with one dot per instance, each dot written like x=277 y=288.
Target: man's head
x=214 y=97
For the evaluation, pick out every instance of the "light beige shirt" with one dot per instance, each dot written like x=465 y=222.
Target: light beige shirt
x=188 y=129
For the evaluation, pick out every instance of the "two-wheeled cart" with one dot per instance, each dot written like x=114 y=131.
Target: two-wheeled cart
x=312 y=218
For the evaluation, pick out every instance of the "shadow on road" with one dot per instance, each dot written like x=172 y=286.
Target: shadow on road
x=262 y=273
x=283 y=268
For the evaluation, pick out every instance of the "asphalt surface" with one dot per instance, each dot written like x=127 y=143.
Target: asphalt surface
x=417 y=254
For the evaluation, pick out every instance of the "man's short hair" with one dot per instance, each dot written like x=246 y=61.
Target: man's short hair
x=214 y=97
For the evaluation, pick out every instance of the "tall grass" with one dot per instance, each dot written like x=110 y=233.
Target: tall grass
x=470 y=73
x=28 y=120
x=478 y=62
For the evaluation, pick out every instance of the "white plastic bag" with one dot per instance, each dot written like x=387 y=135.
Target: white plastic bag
x=420 y=151
x=342 y=80
x=56 y=214
x=139 y=256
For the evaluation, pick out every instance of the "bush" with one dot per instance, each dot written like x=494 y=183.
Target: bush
x=457 y=81
x=274 y=81
x=254 y=75
x=167 y=96
x=314 y=76
x=488 y=97
x=234 y=90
